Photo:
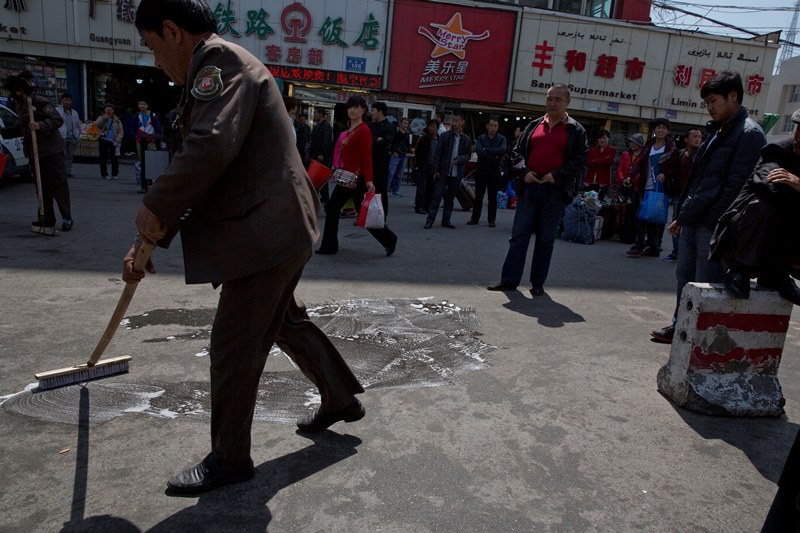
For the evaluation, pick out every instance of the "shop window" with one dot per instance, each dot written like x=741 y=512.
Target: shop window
x=568 y=6
x=795 y=96
x=598 y=8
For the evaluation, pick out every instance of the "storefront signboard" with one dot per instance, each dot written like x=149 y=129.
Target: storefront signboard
x=310 y=39
x=451 y=51
x=631 y=71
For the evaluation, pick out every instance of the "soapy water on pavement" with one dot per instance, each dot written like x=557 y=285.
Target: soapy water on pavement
x=388 y=342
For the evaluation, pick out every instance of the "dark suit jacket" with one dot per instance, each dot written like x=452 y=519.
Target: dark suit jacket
x=322 y=142
x=444 y=153
x=252 y=204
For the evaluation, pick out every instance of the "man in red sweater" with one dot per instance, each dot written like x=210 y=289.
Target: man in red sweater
x=550 y=158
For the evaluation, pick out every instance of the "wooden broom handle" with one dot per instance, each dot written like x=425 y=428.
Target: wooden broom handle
x=139 y=263
x=36 y=171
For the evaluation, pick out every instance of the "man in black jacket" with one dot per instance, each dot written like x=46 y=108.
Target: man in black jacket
x=723 y=163
x=453 y=151
x=383 y=133
x=321 y=148
x=550 y=157
x=491 y=149
x=423 y=167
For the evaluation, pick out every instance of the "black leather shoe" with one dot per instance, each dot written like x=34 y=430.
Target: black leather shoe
x=428 y=225
x=66 y=224
x=420 y=211
x=537 y=290
x=501 y=287
x=208 y=475
x=448 y=225
x=783 y=284
x=737 y=284
x=471 y=222
x=318 y=420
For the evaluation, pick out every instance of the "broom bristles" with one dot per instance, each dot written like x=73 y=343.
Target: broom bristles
x=81 y=373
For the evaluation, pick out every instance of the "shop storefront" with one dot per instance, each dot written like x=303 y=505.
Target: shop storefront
x=443 y=55
x=626 y=75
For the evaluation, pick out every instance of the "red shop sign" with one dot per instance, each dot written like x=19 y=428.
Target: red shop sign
x=451 y=51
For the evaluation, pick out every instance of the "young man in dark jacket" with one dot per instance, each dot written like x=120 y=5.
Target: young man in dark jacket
x=551 y=153
x=321 y=148
x=491 y=149
x=423 y=167
x=383 y=133
x=723 y=163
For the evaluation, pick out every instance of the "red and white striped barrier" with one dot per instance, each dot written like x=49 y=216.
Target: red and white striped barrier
x=726 y=352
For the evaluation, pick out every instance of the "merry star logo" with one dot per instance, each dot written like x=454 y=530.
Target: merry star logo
x=451 y=38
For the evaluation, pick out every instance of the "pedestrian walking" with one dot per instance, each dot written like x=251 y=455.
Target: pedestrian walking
x=356 y=156
x=550 y=157
x=246 y=211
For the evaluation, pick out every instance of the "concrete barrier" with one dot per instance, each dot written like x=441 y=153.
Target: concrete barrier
x=726 y=352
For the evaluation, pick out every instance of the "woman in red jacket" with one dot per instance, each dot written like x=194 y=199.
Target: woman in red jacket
x=356 y=156
x=598 y=163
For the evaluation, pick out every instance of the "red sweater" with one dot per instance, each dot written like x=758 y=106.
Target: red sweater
x=599 y=161
x=547 y=147
x=357 y=151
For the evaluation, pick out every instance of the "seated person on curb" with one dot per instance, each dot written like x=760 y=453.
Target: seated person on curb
x=759 y=235
x=722 y=165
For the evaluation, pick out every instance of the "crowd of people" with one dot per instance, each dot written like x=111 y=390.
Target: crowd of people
x=733 y=201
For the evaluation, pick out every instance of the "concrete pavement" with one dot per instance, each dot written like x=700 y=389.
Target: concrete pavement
x=561 y=429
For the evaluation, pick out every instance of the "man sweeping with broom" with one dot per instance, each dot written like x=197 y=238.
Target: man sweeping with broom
x=44 y=147
x=247 y=215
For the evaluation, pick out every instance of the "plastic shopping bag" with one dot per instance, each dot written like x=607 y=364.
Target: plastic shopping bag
x=371 y=216
x=655 y=207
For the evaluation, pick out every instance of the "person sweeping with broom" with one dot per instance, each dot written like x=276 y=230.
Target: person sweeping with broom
x=44 y=148
x=246 y=211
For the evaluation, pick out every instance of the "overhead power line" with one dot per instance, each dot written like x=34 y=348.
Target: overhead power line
x=671 y=7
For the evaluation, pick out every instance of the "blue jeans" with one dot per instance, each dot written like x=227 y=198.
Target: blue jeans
x=397 y=166
x=693 y=263
x=540 y=209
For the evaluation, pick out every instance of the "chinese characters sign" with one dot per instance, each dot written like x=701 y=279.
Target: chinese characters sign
x=310 y=37
x=611 y=67
x=451 y=51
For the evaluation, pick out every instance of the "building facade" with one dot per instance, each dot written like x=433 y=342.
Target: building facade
x=418 y=55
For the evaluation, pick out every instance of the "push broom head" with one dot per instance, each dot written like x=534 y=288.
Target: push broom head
x=81 y=373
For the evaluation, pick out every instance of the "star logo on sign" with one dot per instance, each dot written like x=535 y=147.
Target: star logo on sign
x=451 y=38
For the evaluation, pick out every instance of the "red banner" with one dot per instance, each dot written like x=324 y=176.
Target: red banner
x=451 y=51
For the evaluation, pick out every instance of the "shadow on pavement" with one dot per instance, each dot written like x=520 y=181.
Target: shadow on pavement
x=550 y=313
x=765 y=441
x=242 y=507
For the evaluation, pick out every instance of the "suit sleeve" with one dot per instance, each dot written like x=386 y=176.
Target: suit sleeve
x=219 y=127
